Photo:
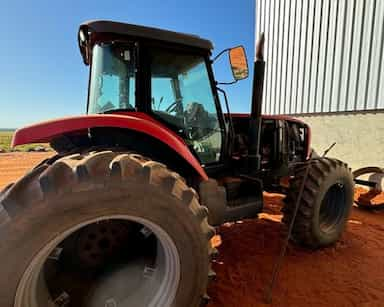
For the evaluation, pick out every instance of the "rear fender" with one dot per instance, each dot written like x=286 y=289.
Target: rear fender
x=45 y=132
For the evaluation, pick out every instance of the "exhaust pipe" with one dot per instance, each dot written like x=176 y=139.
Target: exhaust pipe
x=254 y=158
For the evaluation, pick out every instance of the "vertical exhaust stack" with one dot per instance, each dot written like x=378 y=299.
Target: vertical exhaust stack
x=254 y=157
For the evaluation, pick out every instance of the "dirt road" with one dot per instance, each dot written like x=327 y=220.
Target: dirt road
x=351 y=273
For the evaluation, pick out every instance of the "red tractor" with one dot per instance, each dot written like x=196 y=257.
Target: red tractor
x=125 y=212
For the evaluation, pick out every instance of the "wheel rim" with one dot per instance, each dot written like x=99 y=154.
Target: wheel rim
x=332 y=208
x=146 y=276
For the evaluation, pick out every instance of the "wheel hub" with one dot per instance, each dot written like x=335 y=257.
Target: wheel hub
x=332 y=207
x=99 y=242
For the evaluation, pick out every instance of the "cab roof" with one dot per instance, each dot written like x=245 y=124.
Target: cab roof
x=105 y=27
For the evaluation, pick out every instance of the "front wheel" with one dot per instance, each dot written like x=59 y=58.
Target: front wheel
x=325 y=204
x=103 y=229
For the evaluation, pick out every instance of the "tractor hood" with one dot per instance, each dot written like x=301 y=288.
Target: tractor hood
x=46 y=131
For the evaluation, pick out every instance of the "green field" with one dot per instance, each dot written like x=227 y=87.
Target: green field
x=6 y=138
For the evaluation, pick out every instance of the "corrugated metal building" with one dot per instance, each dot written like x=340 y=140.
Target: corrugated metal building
x=325 y=63
x=323 y=56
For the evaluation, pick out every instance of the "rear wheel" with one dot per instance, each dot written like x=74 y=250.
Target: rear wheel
x=103 y=229
x=325 y=204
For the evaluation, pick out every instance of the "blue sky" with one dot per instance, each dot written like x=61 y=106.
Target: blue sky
x=41 y=72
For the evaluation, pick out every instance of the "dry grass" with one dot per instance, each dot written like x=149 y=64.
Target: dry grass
x=6 y=138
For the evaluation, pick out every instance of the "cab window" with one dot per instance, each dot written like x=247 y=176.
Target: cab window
x=182 y=97
x=112 y=84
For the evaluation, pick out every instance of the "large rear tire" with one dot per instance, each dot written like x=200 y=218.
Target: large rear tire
x=49 y=219
x=325 y=204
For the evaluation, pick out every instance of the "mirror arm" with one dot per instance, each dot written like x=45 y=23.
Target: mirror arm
x=227 y=83
x=230 y=122
x=220 y=54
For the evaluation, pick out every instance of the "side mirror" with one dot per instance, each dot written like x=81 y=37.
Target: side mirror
x=239 y=63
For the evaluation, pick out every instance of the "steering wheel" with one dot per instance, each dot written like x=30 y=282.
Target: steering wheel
x=176 y=106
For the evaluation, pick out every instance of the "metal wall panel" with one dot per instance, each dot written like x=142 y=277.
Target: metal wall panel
x=322 y=55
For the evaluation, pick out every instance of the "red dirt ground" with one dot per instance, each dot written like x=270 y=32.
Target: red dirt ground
x=351 y=273
x=14 y=165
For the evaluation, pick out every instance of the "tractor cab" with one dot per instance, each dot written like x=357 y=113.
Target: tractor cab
x=163 y=74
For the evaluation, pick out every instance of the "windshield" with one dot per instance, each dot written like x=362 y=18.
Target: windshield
x=112 y=84
x=182 y=96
